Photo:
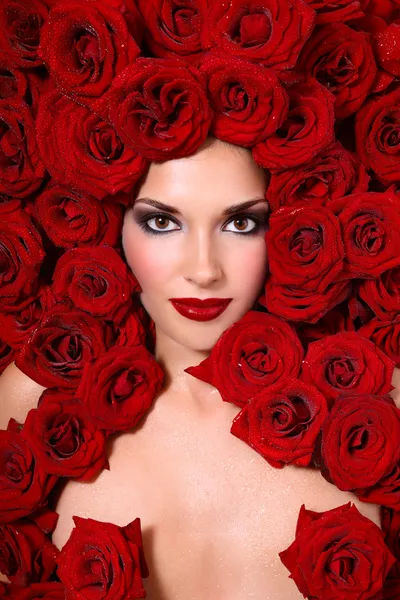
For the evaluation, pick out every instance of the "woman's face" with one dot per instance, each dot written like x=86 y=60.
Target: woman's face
x=197 y=250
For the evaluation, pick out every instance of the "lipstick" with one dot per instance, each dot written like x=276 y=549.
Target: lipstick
x=200 y=310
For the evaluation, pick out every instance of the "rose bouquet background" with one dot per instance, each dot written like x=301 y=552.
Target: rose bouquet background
x=90 y=92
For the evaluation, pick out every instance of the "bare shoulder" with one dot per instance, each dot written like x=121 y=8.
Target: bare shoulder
x=18 y=394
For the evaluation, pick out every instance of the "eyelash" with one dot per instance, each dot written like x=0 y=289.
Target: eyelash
x=145 y=219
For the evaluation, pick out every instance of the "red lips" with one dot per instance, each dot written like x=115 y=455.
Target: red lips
x=200 y=310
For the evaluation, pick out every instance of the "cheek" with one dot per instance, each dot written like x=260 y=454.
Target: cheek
x=249 y=265
x=150 y=266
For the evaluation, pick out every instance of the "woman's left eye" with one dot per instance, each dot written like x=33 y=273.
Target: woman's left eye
x=246 y=220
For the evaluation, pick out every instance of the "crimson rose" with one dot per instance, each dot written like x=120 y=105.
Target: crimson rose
x=22 y=168
x=47 y=591
x=85 y=46
x=338 y=553
x=385 y=335
x=347 y=363
x=159 y=108
x=301 y=304
x=59 y=348
x=248 y=100
x=103 y=561
x=72 y=218
x=17 y=326
x=335 y=12
x=370 y=223
x=95 y=280
x=24 y=484
x=327 y=51
x=270 y=32
x=65 y=440
x=175 y=27
x=382 y=294
x=391 y=527
x=307 y=130
x=360 y=441
x=20 y=23
x=282 y=422
x=332 y=174
x=305 y=247
x=21 y=258
x=254 y=352
x=82 y=150
x=376 y=134
x=26 y=553
x=120 y=386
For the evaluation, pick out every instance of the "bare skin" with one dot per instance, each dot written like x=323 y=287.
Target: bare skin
x=213 y=531
x=214 y=514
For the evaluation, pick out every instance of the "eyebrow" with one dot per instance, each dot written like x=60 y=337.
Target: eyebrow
x=228 y=211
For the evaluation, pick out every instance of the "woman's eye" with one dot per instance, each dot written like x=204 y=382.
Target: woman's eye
x=160 y=221
x=241 y=224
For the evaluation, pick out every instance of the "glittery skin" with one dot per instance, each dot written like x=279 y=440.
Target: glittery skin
x=213 y=531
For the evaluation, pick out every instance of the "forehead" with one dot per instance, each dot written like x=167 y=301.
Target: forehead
x=217 y=175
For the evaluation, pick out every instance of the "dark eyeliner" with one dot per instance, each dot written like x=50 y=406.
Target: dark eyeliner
x=260 y=221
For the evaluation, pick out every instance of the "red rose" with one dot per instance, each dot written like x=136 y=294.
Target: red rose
x=254 y=352
x=17 y=326
x=22 y=168
x=360 y=441
x=85 y=46
x=72 y=218
x=82 y=150
x=59 y=348
x=324 y=56
x=335 y=12
x=24 y=485
x=47 y=591
x=391 y=526
x=95 y=280
x=307 y=130
x=370 y=223
x=385 y=335
x=131 y=331
x=248 y=100
x=386 y=43
x=382 y=294
x=305 y=247
x=118 y=389
x=159 y=108
x=385 y=492
x=391 y=591
x=103 y=561
x=270 y=33
x=347 y=363
x=282 y=422
x=21 y=257
x=19 y=84
x=301 y=304
x=7 y=355
x=338 y=553
x=26 y=553
x=174 y=27
x=376 y=132
x=64 y=440
x=332 y=174
x=336 y=320
x=20 y=23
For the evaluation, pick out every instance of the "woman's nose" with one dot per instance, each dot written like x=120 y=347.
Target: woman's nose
x=203 y=261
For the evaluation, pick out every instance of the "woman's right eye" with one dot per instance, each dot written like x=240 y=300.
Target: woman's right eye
x=160 y=224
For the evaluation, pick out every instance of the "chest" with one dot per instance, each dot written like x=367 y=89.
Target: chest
x=214 y=514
